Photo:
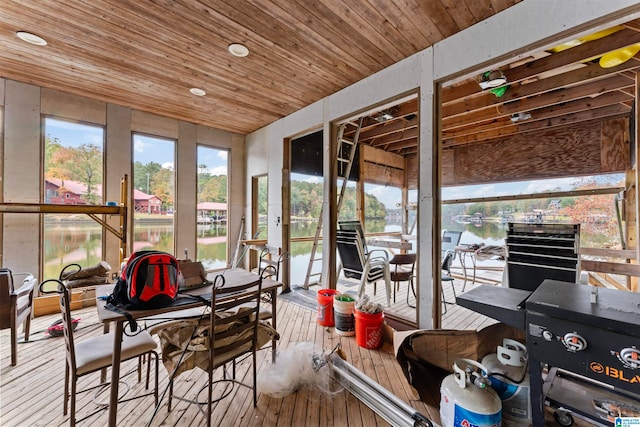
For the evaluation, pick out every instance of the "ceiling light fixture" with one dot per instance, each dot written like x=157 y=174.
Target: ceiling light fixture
x=492 y=79
x=31 y=38
x=197 y=91
x=383 y=116
x=518 y=117
x=239 y=50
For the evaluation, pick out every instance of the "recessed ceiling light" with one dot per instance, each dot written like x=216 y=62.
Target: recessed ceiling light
x=239 y=50
x=31 y=38
x=197 y=91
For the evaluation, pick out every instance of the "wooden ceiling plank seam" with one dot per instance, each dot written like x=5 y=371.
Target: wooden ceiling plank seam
x=439 y=14
x=295 y=44
x=481 y=9
x=425 y=25
x=191 y=49
x=353 y=46
x=366 y=22
x=161 y=70
x=401 y=30
x=196 y=47
x=134 y=79
x=155 y=105
x=459 y=12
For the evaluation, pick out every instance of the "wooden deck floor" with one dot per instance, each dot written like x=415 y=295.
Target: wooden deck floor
x=31 y=392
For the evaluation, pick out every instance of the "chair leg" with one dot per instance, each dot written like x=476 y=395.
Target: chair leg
x=155 y=393
x=387 y=284
x=26 y=327
x=66 y=388
x=74 y=380
x=255 y=379
x=148 y=357
x=413 y=290
x=14 y=345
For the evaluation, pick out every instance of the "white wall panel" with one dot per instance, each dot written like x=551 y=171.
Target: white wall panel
x=22 y=172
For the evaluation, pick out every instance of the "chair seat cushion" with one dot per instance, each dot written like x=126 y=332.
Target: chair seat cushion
x=96 y=353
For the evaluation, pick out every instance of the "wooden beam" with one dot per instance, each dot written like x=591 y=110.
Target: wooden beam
x=513 y=105
x=589 y=73
x=530 y=69
x=508 y=128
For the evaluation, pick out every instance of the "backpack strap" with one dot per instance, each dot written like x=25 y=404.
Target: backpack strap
x=133 y=325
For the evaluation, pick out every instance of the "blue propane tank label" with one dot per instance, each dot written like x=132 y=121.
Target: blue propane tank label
x=465 y=418
x=515 y=399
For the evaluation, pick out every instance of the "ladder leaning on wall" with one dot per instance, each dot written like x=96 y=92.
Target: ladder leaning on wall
x=345 y=155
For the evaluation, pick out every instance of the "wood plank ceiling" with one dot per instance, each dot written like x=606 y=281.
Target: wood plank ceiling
x=147 y=54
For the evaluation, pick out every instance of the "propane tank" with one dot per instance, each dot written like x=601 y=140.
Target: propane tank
x=467 y=399
x=510 y=360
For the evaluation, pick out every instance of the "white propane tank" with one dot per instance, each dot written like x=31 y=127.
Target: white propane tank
x=510 y=360
x=467 y=399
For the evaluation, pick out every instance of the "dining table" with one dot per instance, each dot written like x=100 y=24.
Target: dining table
x=233 y=277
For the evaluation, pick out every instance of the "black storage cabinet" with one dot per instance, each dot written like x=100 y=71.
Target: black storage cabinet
x=536 y=252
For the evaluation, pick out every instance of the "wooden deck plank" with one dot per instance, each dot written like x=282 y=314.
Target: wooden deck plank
x=42 y=363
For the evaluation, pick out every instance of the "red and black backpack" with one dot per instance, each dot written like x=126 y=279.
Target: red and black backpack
x=149 y=280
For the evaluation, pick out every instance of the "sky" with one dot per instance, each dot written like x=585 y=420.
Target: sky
x=145 y=148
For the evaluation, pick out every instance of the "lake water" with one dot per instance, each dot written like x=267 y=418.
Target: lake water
x=81 y=242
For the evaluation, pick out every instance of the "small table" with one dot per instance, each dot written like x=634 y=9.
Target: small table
x=463 y=251
x=233 y=277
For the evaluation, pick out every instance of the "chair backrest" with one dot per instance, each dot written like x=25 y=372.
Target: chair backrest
x=15 y=302
x=271 y=266
x=450 y=239
x=6 y=289
x=67 y=326
x=235 y=332
x=350 y=251
x=403 y=259
x=355 y=225
x=446 y=261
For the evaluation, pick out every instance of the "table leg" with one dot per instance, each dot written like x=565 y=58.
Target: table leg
x=274 y=295
x=115 y=374
x=463 y=264
x=103 y=372
x=473 y=262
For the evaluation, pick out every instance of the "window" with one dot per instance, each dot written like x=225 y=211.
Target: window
x=153 y=193
x=212 y=207
x=482 y=211
x=73 y=174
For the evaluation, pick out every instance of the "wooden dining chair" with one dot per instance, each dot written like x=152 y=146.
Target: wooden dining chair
x=16 y=306
x=96 y=353
x=233 y=330
x=402 y=268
